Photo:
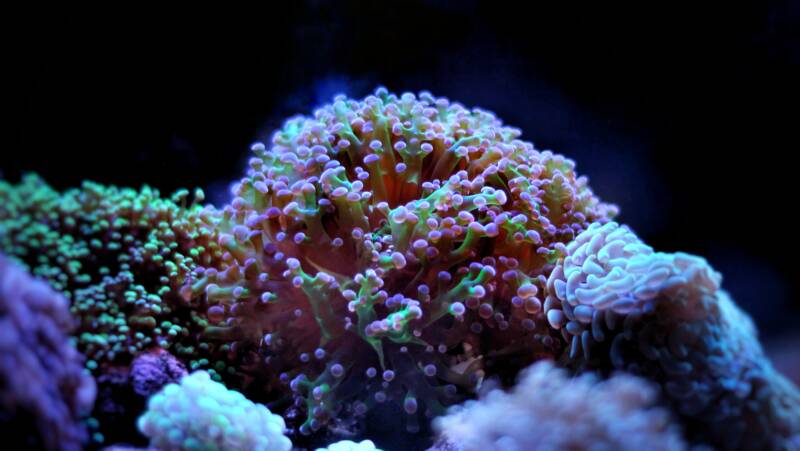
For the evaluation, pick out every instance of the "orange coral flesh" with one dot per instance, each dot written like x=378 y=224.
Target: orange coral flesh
x=391 y=249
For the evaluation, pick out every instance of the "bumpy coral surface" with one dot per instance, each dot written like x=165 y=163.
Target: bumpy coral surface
x=391 y=250
x=123 y=391
x=120 y=256
x=664 y=316
x=201 y=414
x=153 y=370
x=44 y=389
x=547 y=410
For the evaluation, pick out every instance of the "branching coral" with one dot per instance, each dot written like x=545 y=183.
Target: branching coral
x=547 y=410
x=391 y=249
x=44 y=390
x=664 y=316
x=200 y=414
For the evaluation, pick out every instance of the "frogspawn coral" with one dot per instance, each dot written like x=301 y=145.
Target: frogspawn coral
x=664 y=316
x=201 y=414
x=384 y=256
x=392 y=250
x=44 y=389
x=548 y=410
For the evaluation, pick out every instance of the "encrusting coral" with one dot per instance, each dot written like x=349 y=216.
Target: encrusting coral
x=44 y=389
x=548 y=410
x=665 y=317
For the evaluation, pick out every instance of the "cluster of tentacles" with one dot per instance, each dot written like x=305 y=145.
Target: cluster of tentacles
x=392 y=255
x=410 y=232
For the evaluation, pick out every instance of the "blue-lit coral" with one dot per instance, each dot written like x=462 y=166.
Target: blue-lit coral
x=548 y=410
x=123 y=391
x=379 y=261
x=201 y=414
x=119 y=255
x=389 y=250
x=153 y=370
x=664 y=316
x=44 y=389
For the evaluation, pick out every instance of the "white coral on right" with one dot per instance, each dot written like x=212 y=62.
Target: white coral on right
x=547 y=410
x=623 y=306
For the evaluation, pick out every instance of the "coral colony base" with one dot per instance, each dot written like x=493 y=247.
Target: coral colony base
x=380 y=262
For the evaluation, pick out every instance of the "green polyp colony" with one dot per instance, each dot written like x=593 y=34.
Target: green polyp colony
x=119 y=255
x=391 y=252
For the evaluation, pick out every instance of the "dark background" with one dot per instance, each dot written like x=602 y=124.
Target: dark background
x=685 y=116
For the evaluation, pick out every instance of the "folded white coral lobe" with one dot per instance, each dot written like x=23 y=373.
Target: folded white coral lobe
x=664 y=316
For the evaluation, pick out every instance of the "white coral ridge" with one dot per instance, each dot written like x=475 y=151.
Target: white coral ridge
x=608 y=274
x=547 y=410
x=347 y=445
x=665 y=317
x=200 y=414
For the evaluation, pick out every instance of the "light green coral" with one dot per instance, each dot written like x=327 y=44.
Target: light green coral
x=120 y=255
x=200 y=414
